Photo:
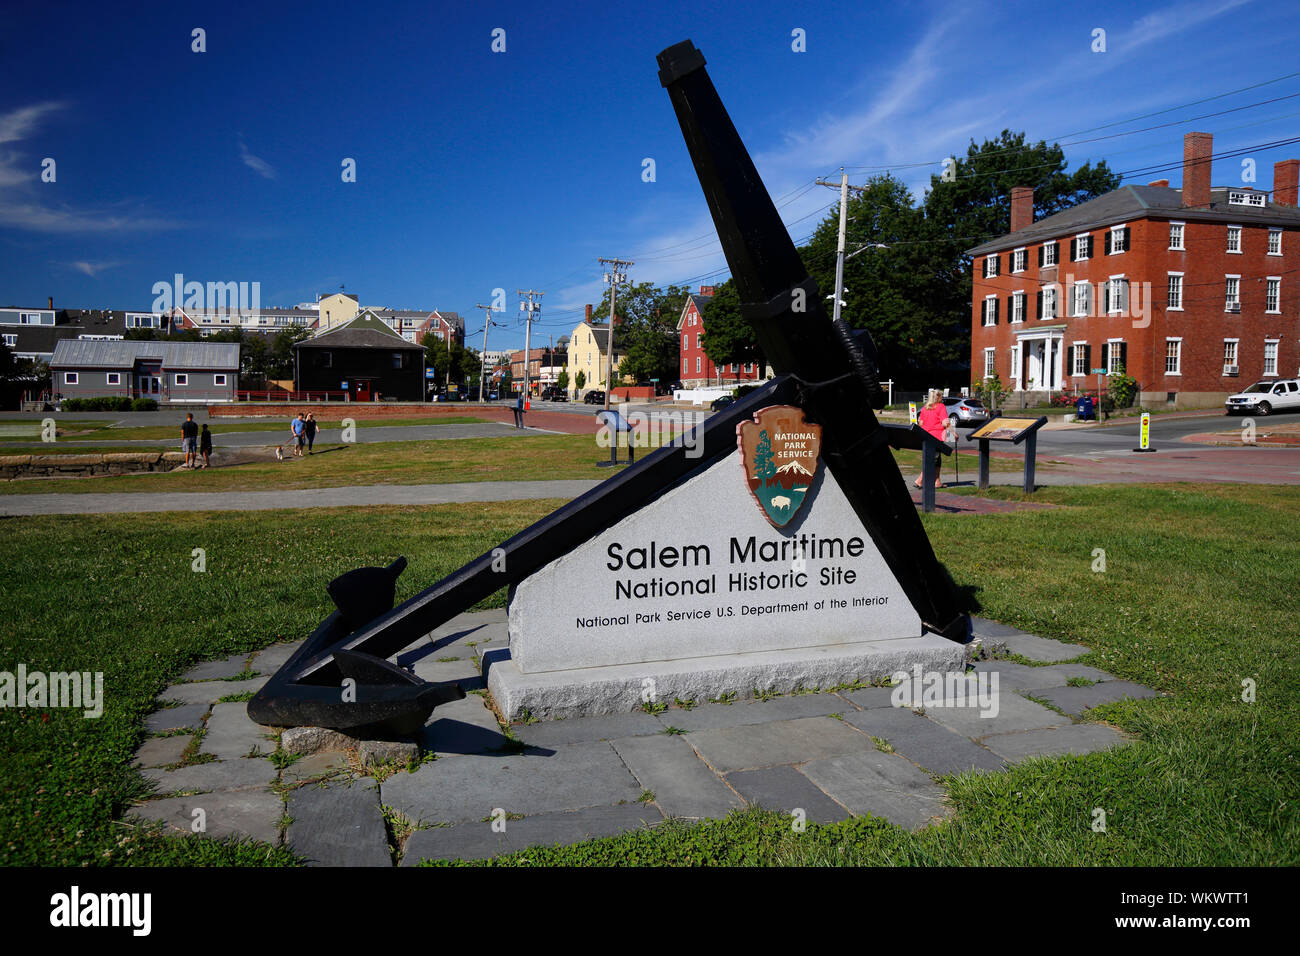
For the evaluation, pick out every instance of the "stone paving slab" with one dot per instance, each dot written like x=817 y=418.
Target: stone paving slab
x=246 y=813
x=869 y=697
x=463 y=727
x=338 y=825
x=464 y=789
x=553 y=733
x=682 y=785
x=217 y=670
x=474 y=841
x=983 y=627
x=1013 y=676
x=232 y=734
x=1076 y=739
x=241 y=774
x=784 y=741
x=462 y=672
x=160 y=751
x=269 y=660
x=1075 y=700
x=313 y=766
x=785 y=789
x=211 y=691
x=1043 y=649
x=1014 y=714
x=187 y=717
x=925 y=742
x=881 y=784
x=744 y=712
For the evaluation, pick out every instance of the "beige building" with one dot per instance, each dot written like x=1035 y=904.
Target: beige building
x=588 y=347
x=336 y=309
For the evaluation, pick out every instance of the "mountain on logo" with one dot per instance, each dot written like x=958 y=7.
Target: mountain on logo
x=794 y=468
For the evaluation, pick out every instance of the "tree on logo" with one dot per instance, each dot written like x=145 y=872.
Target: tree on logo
x=764 y=469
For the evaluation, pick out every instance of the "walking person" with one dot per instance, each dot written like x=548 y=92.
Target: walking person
x=190 y=440
x=934 y=419
x=309 y=431
x=297 y=426
x=205 y=446
x=519 y=410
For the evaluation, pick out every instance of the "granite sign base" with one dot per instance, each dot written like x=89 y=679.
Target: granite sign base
x=621 y=688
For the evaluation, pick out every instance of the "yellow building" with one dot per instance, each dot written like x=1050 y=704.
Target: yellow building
x=336 y=309
x=588 y=354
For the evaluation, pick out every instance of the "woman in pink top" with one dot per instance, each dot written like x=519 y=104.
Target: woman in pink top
x=934 y=419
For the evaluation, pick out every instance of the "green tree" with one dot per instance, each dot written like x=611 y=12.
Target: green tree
x=647 y=331
x=580 y=380
x=728 y=337
x=562 y=379
x=280 y=365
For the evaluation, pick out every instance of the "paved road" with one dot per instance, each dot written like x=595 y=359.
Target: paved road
x=354 y=496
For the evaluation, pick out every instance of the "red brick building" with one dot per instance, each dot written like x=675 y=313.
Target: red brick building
x=1193 y=291
x=696 y=368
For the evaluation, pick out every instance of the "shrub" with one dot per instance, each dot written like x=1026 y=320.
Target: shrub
x=144 y=405
x=1123 y=388
x=109 y=403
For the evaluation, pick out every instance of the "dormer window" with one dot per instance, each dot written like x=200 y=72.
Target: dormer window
x=1242 y=197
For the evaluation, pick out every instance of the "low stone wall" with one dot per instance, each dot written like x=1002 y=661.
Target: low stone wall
x=82 y=466
x=337 y=411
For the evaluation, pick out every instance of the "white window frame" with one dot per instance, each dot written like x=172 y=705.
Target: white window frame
x=1181 y=236
x=1079 y=360
x=219 y=379
x=1113 y=285
x=11 y=340
x=990 y=266
x=1117 y=235
x=1112 y=354
x=1017 y=307
x=70 y=378
x=1049 y=253
x=1236 y=355
x=697 y=365
x=989 y=313
x=1177 y=342
x=113 y=378
x=1169 y=290
x=1273 y=289
x=1051 y=307
x=1270 y=356
x=990 y=362
x=1234 y=232
x=1074 y=299
x=1078 y=246
x=1274 y=242
x=1229 y=282
x=1020 y=258
x=181 y=378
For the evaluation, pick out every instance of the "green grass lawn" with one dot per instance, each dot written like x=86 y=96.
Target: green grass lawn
x=89 y=431
x=1199 y=594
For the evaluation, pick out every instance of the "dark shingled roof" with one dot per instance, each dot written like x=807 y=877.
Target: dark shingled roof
x=601 y=335
x=80 y=353
x=363 y=331
x=1140 y=202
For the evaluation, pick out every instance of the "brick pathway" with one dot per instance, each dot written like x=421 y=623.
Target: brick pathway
x=830 y=754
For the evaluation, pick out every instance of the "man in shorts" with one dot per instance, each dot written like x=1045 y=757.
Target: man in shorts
x=298 y=425
x=190 y=440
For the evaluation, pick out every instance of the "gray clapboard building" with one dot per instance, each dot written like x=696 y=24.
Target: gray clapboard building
x=169 y=372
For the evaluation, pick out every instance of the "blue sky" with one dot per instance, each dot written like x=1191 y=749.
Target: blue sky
x=478 y=170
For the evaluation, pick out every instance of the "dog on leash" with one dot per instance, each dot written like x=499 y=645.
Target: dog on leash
x=279 y=453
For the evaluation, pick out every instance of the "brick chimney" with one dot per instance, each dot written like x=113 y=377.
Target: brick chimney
x=588 y=318
x=1197 y=149
x=1286 y=176
x=1162 y=183
x=706 y=290
x=1022 y=207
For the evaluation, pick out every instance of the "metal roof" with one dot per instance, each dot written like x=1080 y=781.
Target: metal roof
x=124 y=354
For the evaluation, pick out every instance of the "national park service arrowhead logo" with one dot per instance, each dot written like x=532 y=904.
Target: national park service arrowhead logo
x=780 y=452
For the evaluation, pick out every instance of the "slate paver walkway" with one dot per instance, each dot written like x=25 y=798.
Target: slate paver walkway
x=483 y=789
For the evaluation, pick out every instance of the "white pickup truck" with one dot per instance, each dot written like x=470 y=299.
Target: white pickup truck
x=1264 y=398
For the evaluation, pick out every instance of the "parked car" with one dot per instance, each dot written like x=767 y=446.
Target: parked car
x=722 y=401
x=1264 y=398
x=553 y=393
x=594 y=397
x=967 y=411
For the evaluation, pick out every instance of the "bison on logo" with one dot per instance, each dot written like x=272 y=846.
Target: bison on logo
x=780 y=452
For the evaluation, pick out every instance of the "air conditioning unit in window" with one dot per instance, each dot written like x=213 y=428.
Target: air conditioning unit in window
x=1230 y=370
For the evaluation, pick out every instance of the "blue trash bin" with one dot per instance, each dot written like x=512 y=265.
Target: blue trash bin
x=1086 y=408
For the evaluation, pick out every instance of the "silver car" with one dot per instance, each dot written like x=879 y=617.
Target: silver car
x=967 y=411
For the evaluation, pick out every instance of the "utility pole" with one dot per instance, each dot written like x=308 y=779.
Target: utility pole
x=613 y=276
x=844 y=187
x=488 y=323
x=530 y=309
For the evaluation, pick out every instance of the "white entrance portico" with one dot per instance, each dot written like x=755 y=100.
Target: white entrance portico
x=1038 y=358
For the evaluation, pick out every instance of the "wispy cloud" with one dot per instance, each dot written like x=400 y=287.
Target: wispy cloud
x=93 y=269
x=255 y=163
x=26 y=202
